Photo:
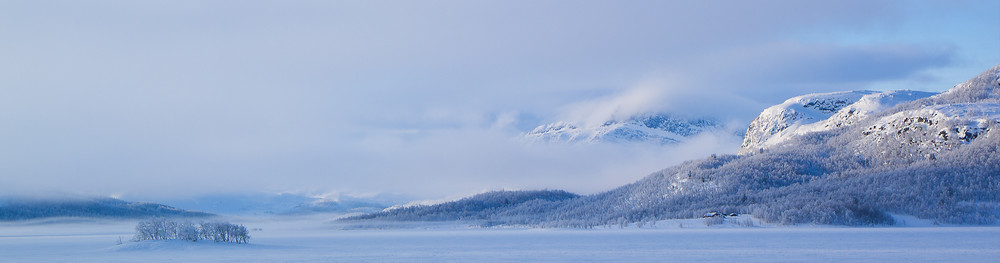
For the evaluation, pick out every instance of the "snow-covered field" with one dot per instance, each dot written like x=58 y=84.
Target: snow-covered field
x=313 y=240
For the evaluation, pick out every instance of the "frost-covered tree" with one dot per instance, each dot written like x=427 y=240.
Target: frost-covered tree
x=162 y=229
x=187 y=231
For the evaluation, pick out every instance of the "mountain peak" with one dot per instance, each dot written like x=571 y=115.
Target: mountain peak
x=796 y=115
x=653 y=128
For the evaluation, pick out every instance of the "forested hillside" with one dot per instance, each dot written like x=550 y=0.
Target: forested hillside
x=478 y=207
x=28 y=208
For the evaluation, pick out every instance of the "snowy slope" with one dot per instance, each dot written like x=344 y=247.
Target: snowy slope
x=870 y=104
x=820 y=112
x=922 y=133
x=795 y=116
x=926 y=121
x=648 y=128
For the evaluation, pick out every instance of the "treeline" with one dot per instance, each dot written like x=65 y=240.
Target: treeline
x=163 y=229
x=478 y=207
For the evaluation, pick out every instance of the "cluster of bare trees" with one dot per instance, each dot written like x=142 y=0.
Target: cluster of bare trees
x=224 y=232
x=163 y=229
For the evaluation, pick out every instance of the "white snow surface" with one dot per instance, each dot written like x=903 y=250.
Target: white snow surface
x=979 y=112
x=869 y=104
x=312 y=239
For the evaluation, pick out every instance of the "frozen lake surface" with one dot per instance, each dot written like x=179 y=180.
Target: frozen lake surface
x=314 y=241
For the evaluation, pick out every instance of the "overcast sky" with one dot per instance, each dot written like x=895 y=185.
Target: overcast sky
x=159 y=99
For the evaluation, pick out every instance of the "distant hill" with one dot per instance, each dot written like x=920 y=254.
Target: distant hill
x=280 y=204
x=12 y=209
x=655 y=129
x=476 y=207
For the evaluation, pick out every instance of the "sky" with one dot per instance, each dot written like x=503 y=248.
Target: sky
x=161 y=99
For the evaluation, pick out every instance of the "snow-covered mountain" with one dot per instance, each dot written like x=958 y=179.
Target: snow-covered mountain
x=819 y=112
x=836 y=158
x=923 y=125
x=645 y=128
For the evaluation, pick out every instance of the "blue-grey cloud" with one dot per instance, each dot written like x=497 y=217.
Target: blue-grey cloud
x=824 y=63
x=767 y=74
